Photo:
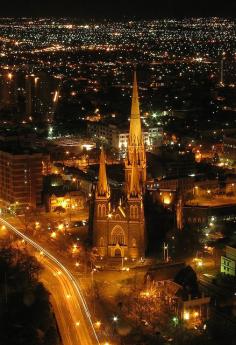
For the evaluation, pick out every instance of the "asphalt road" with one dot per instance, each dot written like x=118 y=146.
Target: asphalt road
x=72 y=314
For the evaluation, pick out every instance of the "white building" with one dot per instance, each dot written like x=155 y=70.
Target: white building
x=228 y=261
x=152 y=139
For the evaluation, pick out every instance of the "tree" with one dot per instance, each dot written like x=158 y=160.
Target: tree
x=187 y=278
x=26 y=316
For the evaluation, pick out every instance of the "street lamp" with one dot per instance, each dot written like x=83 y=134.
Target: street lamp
x=175 y=320
x=115 y=318
x=98 y=324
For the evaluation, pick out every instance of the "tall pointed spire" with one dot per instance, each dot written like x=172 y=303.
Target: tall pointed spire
x=134 y=187
x=102 y=186
x=136 y=148
x=135 y=134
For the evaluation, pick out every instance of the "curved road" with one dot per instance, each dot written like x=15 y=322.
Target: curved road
x=73 y=317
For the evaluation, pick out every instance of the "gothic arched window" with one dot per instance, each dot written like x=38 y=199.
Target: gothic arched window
x=101 y=242
x=117 y=236
x=101 y=210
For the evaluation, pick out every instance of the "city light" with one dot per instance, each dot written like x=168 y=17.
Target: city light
x=61 y=226
x=186 y=315
x=53 y=235
x=115 y=135
x=98 y=324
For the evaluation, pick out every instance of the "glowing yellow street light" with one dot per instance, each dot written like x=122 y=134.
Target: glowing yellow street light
x=200 y=263
x=98 y=324
x=186 y=315
x=53 y=234
x=10 y=76
x=115 y=318
x=60 y=227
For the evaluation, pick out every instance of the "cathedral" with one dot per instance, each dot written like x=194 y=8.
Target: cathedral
x=119 y=230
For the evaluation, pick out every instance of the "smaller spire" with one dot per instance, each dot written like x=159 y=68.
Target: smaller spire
x=102 y=186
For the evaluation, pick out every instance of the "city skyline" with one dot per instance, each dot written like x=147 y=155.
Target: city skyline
x=119 y=10
x=118 y=173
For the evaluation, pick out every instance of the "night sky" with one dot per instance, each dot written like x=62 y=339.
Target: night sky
x=119 y=9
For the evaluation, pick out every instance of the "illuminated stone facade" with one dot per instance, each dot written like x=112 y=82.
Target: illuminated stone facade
x=119 y=229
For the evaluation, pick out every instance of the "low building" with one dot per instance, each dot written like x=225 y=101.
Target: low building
x=228 y=262
x=202 y=214
x=109 y=133
x=229 y=148
x=152 y=138
x=72 y=201
x=192 y=311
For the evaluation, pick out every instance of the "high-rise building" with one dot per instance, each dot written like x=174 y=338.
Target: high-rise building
x=30 y=82
x=119 y=228
x=21 y=176
x=40 y=95
x=8 y=91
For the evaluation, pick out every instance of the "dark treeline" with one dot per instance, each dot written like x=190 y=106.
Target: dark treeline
x=26 y=317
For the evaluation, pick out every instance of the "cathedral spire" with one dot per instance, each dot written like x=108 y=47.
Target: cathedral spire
x=135 y=134
x=134 y=187
x=102 y=186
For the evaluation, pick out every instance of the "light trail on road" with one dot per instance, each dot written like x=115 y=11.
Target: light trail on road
x=74 y=286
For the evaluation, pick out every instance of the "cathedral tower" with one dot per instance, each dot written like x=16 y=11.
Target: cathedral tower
x=101 y=209
x=136 y=212
x=136 y=149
